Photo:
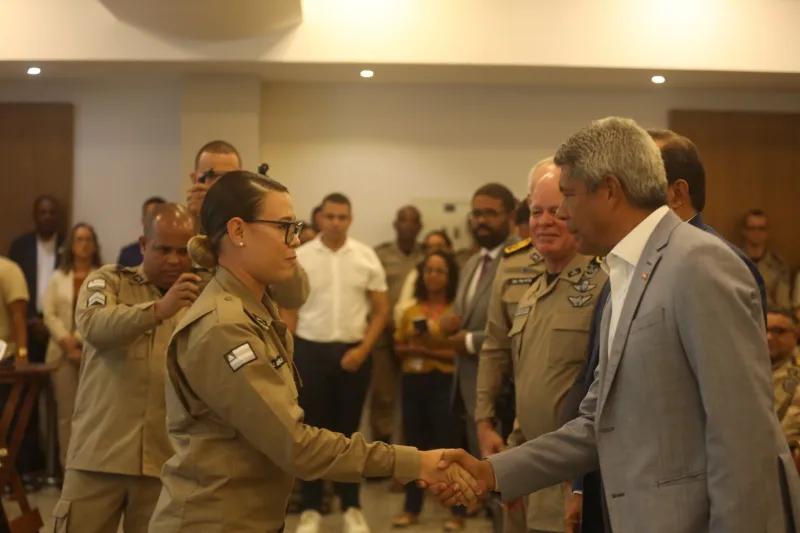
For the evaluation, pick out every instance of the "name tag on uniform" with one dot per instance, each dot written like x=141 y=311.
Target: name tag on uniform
x=416 y=364
x=96 y=284
x=520 y=281
x=240 y=357
x=278 y=362
x=522 y=311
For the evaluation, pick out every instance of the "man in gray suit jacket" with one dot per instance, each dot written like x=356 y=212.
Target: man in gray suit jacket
x=680 y=418
x=493 y=207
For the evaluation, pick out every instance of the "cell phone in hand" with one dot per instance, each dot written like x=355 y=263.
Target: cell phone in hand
x=421 y=326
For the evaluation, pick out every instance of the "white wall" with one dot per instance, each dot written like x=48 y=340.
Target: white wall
x=384 y=145
x=127 y=148
x=735 y=35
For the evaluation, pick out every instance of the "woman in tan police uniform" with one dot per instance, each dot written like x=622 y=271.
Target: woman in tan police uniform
x=232 y=410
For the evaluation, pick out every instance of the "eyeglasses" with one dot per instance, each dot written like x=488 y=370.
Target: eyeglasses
x=293 y=229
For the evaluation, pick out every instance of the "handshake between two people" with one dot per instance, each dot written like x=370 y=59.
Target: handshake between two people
x=454 y=477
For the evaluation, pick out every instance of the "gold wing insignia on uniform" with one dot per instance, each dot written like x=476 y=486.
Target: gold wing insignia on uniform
x=516 y=247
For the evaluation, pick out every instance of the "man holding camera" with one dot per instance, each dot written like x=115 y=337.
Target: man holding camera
x=119 y=438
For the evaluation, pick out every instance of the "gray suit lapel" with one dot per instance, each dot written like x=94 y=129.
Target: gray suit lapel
x=485 y=283
x=641 y=279
x=469 y=272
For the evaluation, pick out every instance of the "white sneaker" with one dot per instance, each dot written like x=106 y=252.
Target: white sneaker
x=354 y=521
x=309 y=522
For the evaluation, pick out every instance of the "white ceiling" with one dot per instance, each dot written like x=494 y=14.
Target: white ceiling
x=207 y=20
x=386 y=73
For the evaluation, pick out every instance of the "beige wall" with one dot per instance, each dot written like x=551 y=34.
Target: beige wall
x=384 y=145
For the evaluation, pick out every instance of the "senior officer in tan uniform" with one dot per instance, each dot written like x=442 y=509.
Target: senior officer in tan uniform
x=232 y=410
x=520 y=266
x=214 y=159
x=550 y=336
x=119 y=440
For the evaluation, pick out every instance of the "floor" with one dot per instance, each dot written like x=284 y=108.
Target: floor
x=380 y=506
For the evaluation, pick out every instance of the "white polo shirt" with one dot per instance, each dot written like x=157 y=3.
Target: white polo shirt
x=338 y=305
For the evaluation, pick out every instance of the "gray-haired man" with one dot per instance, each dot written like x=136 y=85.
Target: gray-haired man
x=680 y=419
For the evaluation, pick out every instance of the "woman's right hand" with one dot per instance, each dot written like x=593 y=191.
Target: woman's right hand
x=69 y=343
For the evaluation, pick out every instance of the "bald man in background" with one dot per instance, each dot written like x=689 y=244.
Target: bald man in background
x=119 y=438
x=398 y=258
x=214 y=159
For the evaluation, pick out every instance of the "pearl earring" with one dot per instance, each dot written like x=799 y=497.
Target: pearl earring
x=241 y=245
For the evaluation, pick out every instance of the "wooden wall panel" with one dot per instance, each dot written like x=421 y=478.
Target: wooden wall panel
x=752 y=160
x=37 y=154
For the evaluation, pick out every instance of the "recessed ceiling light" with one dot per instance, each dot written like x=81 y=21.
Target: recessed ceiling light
x=34 y=71
x=658 y=79
x=367 y=73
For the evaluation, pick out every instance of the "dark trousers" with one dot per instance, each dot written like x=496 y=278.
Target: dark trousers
x=428 y=424
x=332 y=399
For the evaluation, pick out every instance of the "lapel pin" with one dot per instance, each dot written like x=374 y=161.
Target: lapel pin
x=644 y=276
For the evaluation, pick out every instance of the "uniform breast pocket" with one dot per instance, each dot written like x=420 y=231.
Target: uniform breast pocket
x=570 y=339
x=517 y=328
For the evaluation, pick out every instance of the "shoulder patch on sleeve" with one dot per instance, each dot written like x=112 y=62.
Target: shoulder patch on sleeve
x=96 y=299
x=98 y=283
x=240 y=356
x=516 y=247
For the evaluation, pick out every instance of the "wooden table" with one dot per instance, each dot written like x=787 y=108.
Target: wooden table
x=26 y=383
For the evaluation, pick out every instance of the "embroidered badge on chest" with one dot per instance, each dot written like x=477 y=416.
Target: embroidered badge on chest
x=574 y=272
x=584 y=286
x=592 y=270
x=278 y=362
x=260 y=321
x=138 y=279
x=96 y=299
x=96 y=284
x=580 y=301
x=522 y=311
x=239 y=357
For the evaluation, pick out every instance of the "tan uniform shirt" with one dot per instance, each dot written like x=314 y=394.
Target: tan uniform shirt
x=786 y=382
x=777 y=280
x=397 y=266
x=12 y=289
x=235 y=424
x=118 y=425
x=291 y=294
x=519 y=268
x=549 y=343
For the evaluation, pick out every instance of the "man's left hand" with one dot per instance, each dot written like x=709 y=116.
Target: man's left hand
x=481 y=471
x=460 y=342
x=353 y=359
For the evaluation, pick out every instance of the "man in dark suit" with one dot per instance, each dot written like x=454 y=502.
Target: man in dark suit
x=37 y=253
x=490 y=223
x=131 y=254
x=686 y=197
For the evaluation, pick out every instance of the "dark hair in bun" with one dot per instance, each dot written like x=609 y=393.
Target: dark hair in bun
x=235 y=194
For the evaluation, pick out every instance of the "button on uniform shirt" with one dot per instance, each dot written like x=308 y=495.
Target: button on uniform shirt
x=620 y=264
x=338 y=305
x=45 y=266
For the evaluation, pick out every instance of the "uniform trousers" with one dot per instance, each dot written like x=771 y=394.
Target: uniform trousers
x=428 y=423
x=94 y=502
x=385 y=372
x=65 y=387
x=332 y=399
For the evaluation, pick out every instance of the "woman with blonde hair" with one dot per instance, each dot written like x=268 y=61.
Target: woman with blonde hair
x=81 y=256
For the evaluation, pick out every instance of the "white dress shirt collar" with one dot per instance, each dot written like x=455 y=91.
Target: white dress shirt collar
x=631 y=247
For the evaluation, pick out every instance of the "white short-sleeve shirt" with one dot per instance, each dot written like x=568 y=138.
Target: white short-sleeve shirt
x=338 y=303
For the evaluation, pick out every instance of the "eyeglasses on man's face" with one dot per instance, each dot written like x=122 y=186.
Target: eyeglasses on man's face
x=292 y=229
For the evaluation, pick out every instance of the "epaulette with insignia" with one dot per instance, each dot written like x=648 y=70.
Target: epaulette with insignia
x=126 y=269
x=517 y=247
